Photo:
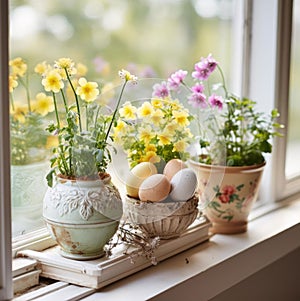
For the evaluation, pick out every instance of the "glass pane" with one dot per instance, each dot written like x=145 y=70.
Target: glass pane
x=293 y=145
x=151 y=38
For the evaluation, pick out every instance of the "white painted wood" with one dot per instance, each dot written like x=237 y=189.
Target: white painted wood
x=26 y=281
x=23 y=265
x=6 y=289
x=42 y=291
x=103 y=271
x=68 y=293
x=38 y=240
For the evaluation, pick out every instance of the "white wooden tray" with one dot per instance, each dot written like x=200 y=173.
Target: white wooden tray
x=103 y=271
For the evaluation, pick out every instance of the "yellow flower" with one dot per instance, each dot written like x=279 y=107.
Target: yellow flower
x=19 y=112
x=150 y=147
x=124 y=74
x=150 y=157
x=146 y=110
x=163 y=139
x=146 y=134
x=19 y=67
x=181 y=117
x=53 y=81
x=128 y=111
x=121 y=125
x=171 y=127
x=12 y=83
x=175 y=105
x=44 y=104
x=157 y=116
x=42 y=68
x=87 y=90
x=81 y=69
x=156 y=103
x=66 y=64
x=180 y=146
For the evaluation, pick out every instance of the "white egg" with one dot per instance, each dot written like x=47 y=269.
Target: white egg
x=184 y=184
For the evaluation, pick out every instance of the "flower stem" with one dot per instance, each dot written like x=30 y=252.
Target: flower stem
x=115 y=111
x=64 y=100
x=25 y=85
x=76 y=100
x=56 y=110
x=223 y=81
x=87 y=117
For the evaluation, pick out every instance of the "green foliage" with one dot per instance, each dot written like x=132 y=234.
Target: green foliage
x=243 y=135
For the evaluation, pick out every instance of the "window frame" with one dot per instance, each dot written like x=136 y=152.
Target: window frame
x=6 y=290
x=275 y=75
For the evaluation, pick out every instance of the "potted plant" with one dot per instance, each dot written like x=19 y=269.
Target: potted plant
x=155 y=135
x=233 y=139
x=29 y=148
x=82 y=207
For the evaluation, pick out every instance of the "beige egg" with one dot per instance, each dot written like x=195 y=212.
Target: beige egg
x=172 y=167
x=155 y=188
x=137 y=175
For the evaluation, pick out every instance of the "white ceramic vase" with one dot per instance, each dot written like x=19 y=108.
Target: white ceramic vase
x=82 y=216
x=227 y=194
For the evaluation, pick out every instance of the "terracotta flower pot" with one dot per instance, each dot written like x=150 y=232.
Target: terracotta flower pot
x=82 y=216
x=164 y=219
x=227 y=194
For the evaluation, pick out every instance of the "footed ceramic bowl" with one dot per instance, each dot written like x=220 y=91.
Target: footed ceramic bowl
x=164 y=219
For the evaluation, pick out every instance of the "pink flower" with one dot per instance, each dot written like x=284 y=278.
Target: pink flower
x=216 y=101
x=224 y=198
x=160 y=90
x=228 y=190
x=204 y=68
x=176 y=79
x=197 y=100
x=198 y=88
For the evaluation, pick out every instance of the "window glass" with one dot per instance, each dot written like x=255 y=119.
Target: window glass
x=151 y=38
x=293 y=145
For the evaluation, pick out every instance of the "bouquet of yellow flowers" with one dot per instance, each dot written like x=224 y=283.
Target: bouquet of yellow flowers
x=155 y=131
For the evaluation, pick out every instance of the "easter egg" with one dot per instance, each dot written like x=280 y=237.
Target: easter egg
x=155 y=188
x=172 y=167
x=184 y=184
x=137 y=175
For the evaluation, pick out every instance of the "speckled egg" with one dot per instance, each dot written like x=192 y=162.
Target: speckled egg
x=184 y=184
x=172 y=167
x=136 y=177
x=155 y=188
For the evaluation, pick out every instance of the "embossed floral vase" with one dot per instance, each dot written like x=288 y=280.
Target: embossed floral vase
x=28 y=186
x=227 y=194
x=82 y=216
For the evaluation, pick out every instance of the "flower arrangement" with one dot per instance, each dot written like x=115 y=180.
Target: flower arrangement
x=29 y=139
x=156 y=130
x=232 y=132
x=82 y=127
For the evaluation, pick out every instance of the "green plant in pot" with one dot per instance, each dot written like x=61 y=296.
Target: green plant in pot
x=29 y=148
x=233 y=138
x=82 y=208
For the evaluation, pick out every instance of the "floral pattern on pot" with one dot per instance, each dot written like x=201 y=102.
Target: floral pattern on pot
x=227 y=194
